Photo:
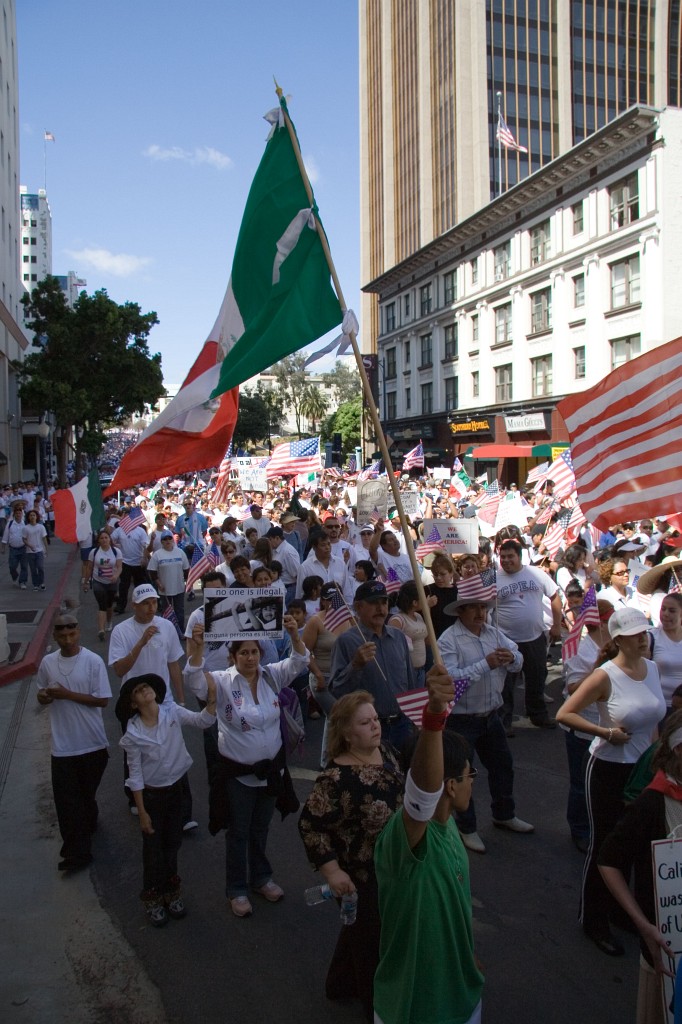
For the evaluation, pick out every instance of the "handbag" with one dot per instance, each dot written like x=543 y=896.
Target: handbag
x=291 y=725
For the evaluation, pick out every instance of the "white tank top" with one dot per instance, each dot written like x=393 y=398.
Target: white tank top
x=635 y=706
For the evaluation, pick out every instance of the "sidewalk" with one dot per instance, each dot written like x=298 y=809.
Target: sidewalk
x=63 y=961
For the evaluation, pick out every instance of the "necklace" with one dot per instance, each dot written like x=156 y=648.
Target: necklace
x=61 y=660
x=357 y=757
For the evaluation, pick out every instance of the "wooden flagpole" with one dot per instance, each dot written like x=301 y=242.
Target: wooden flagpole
x=381 y=440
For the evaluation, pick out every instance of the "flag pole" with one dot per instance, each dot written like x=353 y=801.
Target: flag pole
x=376 y=423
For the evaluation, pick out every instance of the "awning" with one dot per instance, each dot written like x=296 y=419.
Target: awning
x=493 y=452
x=544 y=451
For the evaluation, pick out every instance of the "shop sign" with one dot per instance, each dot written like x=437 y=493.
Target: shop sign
x=525 y=423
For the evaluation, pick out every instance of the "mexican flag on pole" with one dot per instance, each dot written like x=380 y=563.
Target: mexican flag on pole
x=280 y=296
x=78 y=510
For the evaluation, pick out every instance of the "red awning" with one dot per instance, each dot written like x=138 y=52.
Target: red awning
x=503 y=451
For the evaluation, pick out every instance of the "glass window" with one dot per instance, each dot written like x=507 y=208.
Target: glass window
x=541 y=369
x=390 y=317
x=408 y=399
x=451 y=345
x=579 y=362
x=624 y=349
x=474 y=328
x=578 y=211
x=406 y=353
x=391 y=405
x=406 y=306
x=450 y=287
x=624 y=198
x=427 y=398
x=503 y=261
x=625 y=282
x=541 y=311
x=503 y=323
x=475 y=383
x=451 y=393
x=579 y=290
x=503 y=383
x=425 y=300
x=539 y=243
x=390 y=363
x=426 y=349
x=474 y=271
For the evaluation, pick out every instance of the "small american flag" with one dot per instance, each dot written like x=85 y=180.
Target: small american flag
x=49 y=137
x=504 y=135
x=294 y=457
x=372 y=471
x=338 y=613
x=375 y=516
x=561 y=473
x=169 y=613
x=134 y=518
x=432 y=544
x=351 y=465
x=413 y=702
x=555 y=534
x=223 y=482
x=675 y=586
x=393 y=581
x=478 y=588
x=414 y=458
x=545 y=514
x=539 y=473
x=587 y=615
x=456 y=466
x=202 y=562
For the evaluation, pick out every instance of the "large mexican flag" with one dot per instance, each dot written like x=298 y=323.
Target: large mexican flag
x=78 y=510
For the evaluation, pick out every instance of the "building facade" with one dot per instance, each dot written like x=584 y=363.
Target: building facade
x=36 y=238
x=540 y=294
x=431 y=72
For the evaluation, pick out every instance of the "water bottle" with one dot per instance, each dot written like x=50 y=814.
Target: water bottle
x=349 y=907
x=317 y=894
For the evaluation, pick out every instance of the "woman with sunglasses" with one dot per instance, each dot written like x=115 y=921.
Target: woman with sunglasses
x=615 y=575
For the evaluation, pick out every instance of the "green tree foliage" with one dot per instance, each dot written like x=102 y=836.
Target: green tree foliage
x=314 y=405
x=292 y=384
x=345 y=421
x=344 y=380
x=253 y=420
x=93 y=368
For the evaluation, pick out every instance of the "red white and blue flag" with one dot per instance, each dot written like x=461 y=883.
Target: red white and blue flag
x=587 y=615
x=393 y=582
x=414 y=458
x=431 y=544
x=294 y=457
x=504 y=135
x=202 y=562
x=338 y=613
x=134 y=518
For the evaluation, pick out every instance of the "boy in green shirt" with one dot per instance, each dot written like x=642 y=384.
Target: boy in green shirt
x=428 y=973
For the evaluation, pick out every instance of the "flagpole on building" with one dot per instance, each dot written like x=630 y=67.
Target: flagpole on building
x=381 y=440
x=499 y=145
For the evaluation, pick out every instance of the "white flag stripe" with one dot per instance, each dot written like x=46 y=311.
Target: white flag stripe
x=624 y=431
x=670 y=489
x=610 y=476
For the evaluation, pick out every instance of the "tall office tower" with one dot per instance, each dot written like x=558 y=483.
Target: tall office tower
x=432 y=75
x=36 y=237
x=12 y=339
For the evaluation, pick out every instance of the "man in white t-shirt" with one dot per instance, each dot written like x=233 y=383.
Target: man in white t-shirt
x=168 y=568
x=257 y=521
x=73 y=682
x=520 y=592
x=385 y=552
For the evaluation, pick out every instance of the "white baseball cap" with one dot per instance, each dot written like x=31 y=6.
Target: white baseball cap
x=143 y=592
x=627 y=622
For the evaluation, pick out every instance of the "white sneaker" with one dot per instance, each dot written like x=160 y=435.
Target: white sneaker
x=515 y=825
x=189 y=826
x=473 y=842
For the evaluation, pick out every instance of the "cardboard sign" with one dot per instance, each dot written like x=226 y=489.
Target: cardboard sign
x=410 y=503
x=666 y=855
x=440 y=473
x=372 y=494
x=458 y=536
x=513 y=512
x=243 y=613
x=252 y=477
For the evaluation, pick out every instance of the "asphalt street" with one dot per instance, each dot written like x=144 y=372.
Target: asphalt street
x=79 y=948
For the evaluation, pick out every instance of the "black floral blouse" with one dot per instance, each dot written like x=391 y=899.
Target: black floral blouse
x=347 y=809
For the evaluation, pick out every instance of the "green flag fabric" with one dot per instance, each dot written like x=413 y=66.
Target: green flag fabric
x=280 y=296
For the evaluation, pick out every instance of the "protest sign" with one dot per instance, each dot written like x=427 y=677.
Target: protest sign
x=410 y=502
x=372 y=494
x=440 y=473
x=243 y=613
x=252 y=476
x=352 y=493
x=512 y=512
x=458 y=536
x=667 y=862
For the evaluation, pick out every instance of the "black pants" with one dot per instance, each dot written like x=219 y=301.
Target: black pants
x=604 y=782
x=74 y=786
x=136 y=574
x=356 y=957
x=160 y=850
x=535 y=675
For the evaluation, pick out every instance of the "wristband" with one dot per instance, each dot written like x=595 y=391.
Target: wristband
x=434 y=721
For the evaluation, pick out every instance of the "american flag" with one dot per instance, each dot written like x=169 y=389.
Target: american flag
x=372 y=471
x=554 y=536
x=431 y=544
x=505 y=136
x=293 y=457
x=626 y=439
x=490 y=491
x=375 y=516
x=539 y=473
x=414 y=458
x=413 y=702
x=169 y=613
x=352 y=464
x=134 y=518
x=587 y=615
x=675 y=585
x=456 y=465
x=481 y=587
x=338 y=613
x=334 y=473
x=561 y=474
x=575 y=523
x=202 y=562
x=545 y=514
x=393 y=581
x=223 y=482
x=49 y=137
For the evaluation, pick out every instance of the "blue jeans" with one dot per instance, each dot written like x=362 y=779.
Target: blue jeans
x=576 y=807
x=36 y=563
x=486 y=737
x=17 y=564
x=250 y=814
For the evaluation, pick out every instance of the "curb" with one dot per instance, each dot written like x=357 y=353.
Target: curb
x=28 y=665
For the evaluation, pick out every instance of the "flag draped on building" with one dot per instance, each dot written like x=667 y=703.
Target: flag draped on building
x=626 y=439
x=78 y=510
x=504 y=136
x=414 y=458
x=295 y=457
x=280 y=294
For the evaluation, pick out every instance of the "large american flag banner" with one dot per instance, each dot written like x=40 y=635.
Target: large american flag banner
x=294 y=457
x=626 y=439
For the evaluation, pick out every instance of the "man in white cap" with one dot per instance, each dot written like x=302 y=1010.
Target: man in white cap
x=168 y=568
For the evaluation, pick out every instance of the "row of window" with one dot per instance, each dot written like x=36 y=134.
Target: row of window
x=622 y=350
x=30 y=277
x=624 y=209
x=25 y=240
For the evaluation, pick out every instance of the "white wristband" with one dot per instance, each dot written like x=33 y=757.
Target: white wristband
x=188 y=669
x=419 y=804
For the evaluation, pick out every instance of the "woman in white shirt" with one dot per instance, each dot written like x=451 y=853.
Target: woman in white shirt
x=666 y=646
x=102 y=572
x=614 y=573
x=34 y=536
x=251 y=770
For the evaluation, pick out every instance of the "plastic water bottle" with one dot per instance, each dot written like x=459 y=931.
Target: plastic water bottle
x=317 y=894
x=349 y=907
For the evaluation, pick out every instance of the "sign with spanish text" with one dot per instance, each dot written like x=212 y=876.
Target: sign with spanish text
x=243 y=613
x=666 y=855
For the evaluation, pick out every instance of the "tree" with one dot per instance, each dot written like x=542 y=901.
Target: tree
x=346 y=421
x=344 y=381
x=253 y=420
x=314 y=405
x=292 y=383
x=93 y=368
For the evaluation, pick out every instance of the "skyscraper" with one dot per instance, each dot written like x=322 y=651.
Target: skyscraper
x=430 y=75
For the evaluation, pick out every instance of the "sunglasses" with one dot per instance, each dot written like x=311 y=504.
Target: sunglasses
x=622 y=572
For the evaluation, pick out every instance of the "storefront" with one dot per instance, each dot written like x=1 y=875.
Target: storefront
x=508 y=445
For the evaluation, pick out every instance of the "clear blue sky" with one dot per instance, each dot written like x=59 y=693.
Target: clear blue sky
x=156 y=107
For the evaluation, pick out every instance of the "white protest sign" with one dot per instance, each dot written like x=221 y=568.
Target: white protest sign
x=458 y=536
x=252 y=477
x=512 y=512
x=666 y=855
x=440 y=473
x=636 y=568
x=372 y=494
x=243 y=613
x=410 y=503
x=352 y=493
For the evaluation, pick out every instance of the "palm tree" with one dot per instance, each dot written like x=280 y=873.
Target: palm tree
x=314 y=405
